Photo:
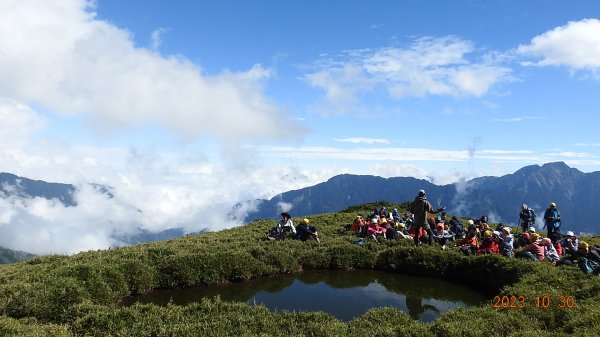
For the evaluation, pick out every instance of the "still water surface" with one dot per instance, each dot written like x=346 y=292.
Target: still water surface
x=344 y=294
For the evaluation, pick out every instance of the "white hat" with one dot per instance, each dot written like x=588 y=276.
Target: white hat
x=471 y=222
x=570 y=233
x=531 y=230
x=506 y=229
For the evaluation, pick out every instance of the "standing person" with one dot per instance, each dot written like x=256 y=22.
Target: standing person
x=421 y=208
x=526 y=217
x=552 y=221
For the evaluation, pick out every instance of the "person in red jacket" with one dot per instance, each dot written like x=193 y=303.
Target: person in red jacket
x=489 y=244
x=534 y=250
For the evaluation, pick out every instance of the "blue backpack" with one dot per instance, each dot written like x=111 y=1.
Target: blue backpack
x=588 y=266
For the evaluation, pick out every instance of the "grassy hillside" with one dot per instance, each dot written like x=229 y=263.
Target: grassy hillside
x=79 y=295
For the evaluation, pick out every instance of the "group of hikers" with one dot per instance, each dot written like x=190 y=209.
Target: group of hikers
x=478 y=237
x=285 y=229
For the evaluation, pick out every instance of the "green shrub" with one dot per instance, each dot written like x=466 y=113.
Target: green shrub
x=351 y=256
x=139 y=276
x=387 y=322
x=10 y=327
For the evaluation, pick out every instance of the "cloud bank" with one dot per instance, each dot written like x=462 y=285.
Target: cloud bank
x=57 y=54
x=59 y=61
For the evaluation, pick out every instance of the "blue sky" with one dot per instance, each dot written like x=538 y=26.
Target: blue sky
x=319 y=53
x=184 y=107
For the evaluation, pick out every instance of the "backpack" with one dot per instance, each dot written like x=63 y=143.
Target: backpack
x=588 y=266
x=531 y=216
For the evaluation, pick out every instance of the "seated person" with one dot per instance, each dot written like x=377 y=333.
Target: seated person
x=506 y=242
x=375 y=229
x=395 y=215
x=583 y=251
x=403 y=231
x=524 y=239
x=457 y=228
x=440 y=234
x=305 y=231
x=489 y=244
x=285 y=224
x=383 y=212
x=468 y=245
x=570 y=243
x=533 y=251
x=358 y=225
x=549 y=250
x=408 y=219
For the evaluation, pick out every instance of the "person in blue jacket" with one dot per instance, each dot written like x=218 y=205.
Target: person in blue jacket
x=552 y=221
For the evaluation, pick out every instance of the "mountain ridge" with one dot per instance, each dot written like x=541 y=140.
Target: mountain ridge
x=497 y=197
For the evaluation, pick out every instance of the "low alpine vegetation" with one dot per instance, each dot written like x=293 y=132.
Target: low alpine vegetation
x=80 y=295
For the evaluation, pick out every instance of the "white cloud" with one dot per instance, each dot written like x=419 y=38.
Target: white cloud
x=505 y=151
x=575 y=45
x=403 y=155
x=19 y=121
x=517 y=119
x=394 y=169
x=151 y=191
x=57 y=54
x=369 y=154
x=284 y=206
x=156 y=38
x=357 y=140
x=568 y=154
x=430 y=66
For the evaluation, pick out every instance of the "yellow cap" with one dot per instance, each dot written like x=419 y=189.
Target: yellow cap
x=534 y=236
x=305 y=220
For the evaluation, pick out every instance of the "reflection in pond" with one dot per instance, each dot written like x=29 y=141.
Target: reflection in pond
x=344 y=294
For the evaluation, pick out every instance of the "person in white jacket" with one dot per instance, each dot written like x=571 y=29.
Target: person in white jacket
x=286 y=224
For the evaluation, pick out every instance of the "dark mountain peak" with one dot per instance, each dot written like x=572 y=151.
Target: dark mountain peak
x=556 y=171
x=347 y=176
x=557 y=165
x=560 y=168
x=527 y=170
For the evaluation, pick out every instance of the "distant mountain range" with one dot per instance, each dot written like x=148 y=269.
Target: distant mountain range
x=12 y=256
x=577 y=195
x=14 y=186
